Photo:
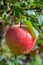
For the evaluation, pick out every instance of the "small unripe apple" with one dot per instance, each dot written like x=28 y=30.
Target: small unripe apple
x=19 y=40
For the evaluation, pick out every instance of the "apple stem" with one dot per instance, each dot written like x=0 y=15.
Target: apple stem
x=20 y=23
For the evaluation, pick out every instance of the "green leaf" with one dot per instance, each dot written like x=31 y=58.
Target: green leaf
x=1 y=63
x=30 y=27
x=37 y=60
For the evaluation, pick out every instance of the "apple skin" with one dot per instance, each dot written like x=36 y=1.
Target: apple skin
x=19 y=40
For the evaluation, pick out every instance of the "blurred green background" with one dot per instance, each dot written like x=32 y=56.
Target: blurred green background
x=12 y=12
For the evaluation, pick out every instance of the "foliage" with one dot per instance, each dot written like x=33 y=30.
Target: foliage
x=13 y=12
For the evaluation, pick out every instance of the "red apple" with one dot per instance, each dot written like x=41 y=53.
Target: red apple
x=19 y=40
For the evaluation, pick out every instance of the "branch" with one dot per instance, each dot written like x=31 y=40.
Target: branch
x=4 y=2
